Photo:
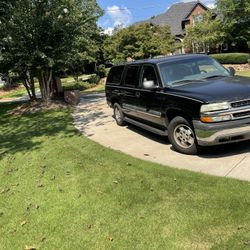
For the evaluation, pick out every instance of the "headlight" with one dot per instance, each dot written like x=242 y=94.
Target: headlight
x=215 y=107
x=220 y=118
x=212 y=112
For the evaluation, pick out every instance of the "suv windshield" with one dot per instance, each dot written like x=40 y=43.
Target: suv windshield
x=191 y=70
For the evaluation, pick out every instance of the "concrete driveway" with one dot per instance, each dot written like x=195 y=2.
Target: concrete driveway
x=94 y=119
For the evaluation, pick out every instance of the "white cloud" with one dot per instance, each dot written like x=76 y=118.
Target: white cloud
x=210 y=4
x=109 y=31
x=119 y=15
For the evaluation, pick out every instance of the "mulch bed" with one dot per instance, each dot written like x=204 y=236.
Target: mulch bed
x=36 y=106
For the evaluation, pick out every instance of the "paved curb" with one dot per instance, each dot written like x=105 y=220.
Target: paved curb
x=94 y=119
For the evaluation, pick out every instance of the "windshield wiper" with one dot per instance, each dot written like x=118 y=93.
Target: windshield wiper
x=185 y=81
x=215 y=76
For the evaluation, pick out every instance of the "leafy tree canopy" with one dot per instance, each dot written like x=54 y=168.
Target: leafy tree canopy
x=139 y=42
x=205 y=34
x=236 y=20
x=40 y=37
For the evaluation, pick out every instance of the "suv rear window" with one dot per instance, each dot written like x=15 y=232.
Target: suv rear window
x=115 y=74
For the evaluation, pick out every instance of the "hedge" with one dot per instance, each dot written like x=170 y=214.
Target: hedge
x=231 y=58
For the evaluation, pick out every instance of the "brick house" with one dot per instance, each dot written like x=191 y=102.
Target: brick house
x=179 y=16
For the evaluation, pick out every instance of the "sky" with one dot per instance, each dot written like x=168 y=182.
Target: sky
x=126 y=12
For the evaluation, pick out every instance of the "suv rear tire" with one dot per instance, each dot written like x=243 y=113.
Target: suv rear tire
x=118 y=114
x=182 y=137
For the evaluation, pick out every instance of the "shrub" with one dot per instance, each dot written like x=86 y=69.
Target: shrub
x=78 y=86
x=231 y=58
x=95 y=79
x=248 y=61
x=101 y=71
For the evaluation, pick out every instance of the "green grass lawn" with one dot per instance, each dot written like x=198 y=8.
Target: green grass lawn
x=244 y=73
x=59 y=190
x=100 y=88
x=84 y=87
x=17 y=92
x=83 y=83
x=67 y=83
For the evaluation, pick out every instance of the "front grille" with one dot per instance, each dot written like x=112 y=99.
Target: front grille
x=240 y=104
x=241 y=114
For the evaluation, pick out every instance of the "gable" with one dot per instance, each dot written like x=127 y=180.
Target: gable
x=176 y=15
x=197 y=10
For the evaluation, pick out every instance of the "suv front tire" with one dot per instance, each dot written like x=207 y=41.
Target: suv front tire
x=182 y=137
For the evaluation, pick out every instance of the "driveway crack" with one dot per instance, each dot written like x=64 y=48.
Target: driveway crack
x=236 y=165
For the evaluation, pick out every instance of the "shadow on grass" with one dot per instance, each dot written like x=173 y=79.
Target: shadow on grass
x=26 y=132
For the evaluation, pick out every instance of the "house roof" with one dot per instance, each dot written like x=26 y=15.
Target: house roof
x=174 y=16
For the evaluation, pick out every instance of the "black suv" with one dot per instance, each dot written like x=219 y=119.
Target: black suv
x=192 y=99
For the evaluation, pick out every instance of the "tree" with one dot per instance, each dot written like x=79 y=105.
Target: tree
x=236 y=21
x=139 y=42
x=42 y=37
x=204 y=35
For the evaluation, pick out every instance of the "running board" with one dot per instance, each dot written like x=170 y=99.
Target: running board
x=147 y=127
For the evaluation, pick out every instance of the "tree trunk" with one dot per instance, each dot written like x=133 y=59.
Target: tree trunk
x=75 y=74
x=32 y=87
x=27 y=89
x=57 y=87
x=45 y=83
x=29 y=84
x=42 y=85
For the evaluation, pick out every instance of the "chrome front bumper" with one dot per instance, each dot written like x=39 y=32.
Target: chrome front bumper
x=222 y=132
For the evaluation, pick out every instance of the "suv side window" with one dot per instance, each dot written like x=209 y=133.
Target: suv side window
x=132 y=76
x=115 y=74
x=149 y=74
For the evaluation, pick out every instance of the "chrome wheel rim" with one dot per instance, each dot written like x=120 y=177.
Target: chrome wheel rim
x=118 y=116
x=184 y=136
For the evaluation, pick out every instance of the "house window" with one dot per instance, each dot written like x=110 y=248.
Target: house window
x=197 y=18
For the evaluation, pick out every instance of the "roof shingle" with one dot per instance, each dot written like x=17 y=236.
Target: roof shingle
x=174 y=16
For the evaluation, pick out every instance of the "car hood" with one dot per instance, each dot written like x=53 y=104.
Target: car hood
x=216 y=90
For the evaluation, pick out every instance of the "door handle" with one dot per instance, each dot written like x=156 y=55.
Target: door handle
x=137 y=94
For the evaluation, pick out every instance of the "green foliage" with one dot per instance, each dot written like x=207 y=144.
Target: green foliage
x=244 y=73
x=236 y=22
x=99 y=88
x=78 y=85
x=231 y=58
x=139 y=42
x=101 y=71
x=204 y=35
x=94 y=79
x=83 y=82
x=41 y=37
x=248 y=61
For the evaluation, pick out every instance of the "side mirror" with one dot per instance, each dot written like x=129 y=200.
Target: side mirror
x=231 y=71
x=148 y=84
